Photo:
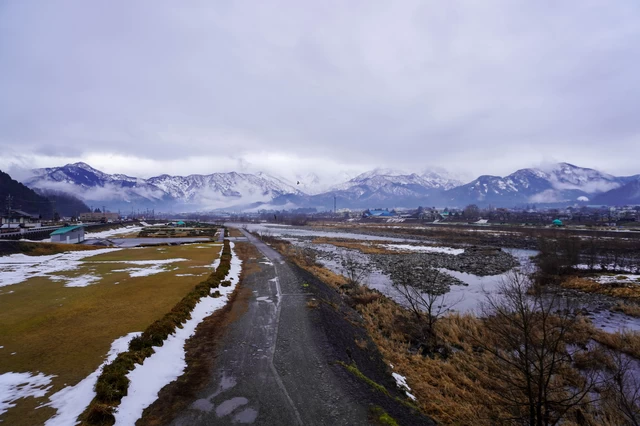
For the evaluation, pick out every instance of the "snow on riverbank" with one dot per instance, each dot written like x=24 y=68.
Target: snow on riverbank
x=168 y=361
x=14 y=386
x=18 y=268
x=428 y=249
x=71 y=401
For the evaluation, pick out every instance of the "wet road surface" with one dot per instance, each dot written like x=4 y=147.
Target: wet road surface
x=270 y=369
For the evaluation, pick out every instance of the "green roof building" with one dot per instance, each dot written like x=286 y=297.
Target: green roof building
x=68 y=235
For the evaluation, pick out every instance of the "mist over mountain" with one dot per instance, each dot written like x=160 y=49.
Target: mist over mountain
x=558 y=183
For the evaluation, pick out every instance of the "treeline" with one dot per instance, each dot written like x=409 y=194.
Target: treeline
x=43 y=203
x=22 y=198
x=563 y=254
x=64 y=204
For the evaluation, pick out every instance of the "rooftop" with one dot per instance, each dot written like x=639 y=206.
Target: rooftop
x=66 y=229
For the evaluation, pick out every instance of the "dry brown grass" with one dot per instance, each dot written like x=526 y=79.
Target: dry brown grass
x=624 y=291
x=368 y=247
x=43 y=249
x=456 y=386
x=235 y=232
x=627 y=308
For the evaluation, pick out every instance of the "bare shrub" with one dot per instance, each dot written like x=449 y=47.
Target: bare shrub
x=355 y=270
x=424 y=290
x=533 y=338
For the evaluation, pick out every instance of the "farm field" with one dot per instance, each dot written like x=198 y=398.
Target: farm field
x=59 y=314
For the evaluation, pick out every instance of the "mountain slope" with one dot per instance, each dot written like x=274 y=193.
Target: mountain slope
x=563 y=182
x=194 y=191
x=23 y=198
x=628 y=193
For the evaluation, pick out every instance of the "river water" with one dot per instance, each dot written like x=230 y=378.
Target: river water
x=468 y=298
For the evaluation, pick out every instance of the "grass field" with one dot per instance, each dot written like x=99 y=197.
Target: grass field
x=67 y=331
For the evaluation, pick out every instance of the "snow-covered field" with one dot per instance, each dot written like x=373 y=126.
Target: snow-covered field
x=17 y=268
x=164 y=366
x=168 y=361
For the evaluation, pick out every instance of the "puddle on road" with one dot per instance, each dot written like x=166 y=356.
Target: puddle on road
x=228 y=406
x=248 y=415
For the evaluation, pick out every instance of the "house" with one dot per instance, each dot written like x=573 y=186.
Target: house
x=20 y=219
x=68 y=235
x=99 y=217
x=377 y=213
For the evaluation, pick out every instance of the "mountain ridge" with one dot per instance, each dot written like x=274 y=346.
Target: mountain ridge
x=559 y=183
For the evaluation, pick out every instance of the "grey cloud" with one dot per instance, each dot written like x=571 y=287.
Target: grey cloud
x=486 y=87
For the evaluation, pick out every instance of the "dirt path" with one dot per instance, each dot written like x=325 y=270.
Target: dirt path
x=271 y=367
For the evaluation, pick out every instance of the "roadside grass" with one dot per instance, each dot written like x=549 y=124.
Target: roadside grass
x=623 y=291
x=67 y=332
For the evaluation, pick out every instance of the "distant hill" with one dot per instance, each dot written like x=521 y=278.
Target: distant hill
x=65 y=204
x=22 y=197
x=627 y=194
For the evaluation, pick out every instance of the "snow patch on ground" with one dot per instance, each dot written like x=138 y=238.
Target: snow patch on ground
x=618 y=278
x=71 y=401
x=82 y=281
x=401 y=381
x=168 y=361
x=18 y=268
x=112 y=232
x=142 y=272
x=430 y=249
x=216 y=262
x=14 y=386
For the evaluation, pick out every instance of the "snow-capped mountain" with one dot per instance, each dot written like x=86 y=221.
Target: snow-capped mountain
x=90 y=184
x=563 y=182
x=378 y=187
x=377 y=179
x=560 y=183
x=196 y=191
x=193 y=187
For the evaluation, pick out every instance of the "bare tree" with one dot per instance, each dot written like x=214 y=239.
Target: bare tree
x=621 y=396
x=531 y=342
x=355 y=269
x=424 y=288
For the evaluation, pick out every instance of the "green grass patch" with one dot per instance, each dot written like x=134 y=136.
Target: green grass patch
x=381 y=417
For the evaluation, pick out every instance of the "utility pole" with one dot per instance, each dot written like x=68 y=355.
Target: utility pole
x=9 y=200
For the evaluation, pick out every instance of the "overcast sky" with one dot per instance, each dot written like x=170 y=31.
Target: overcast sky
x=475 y=87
